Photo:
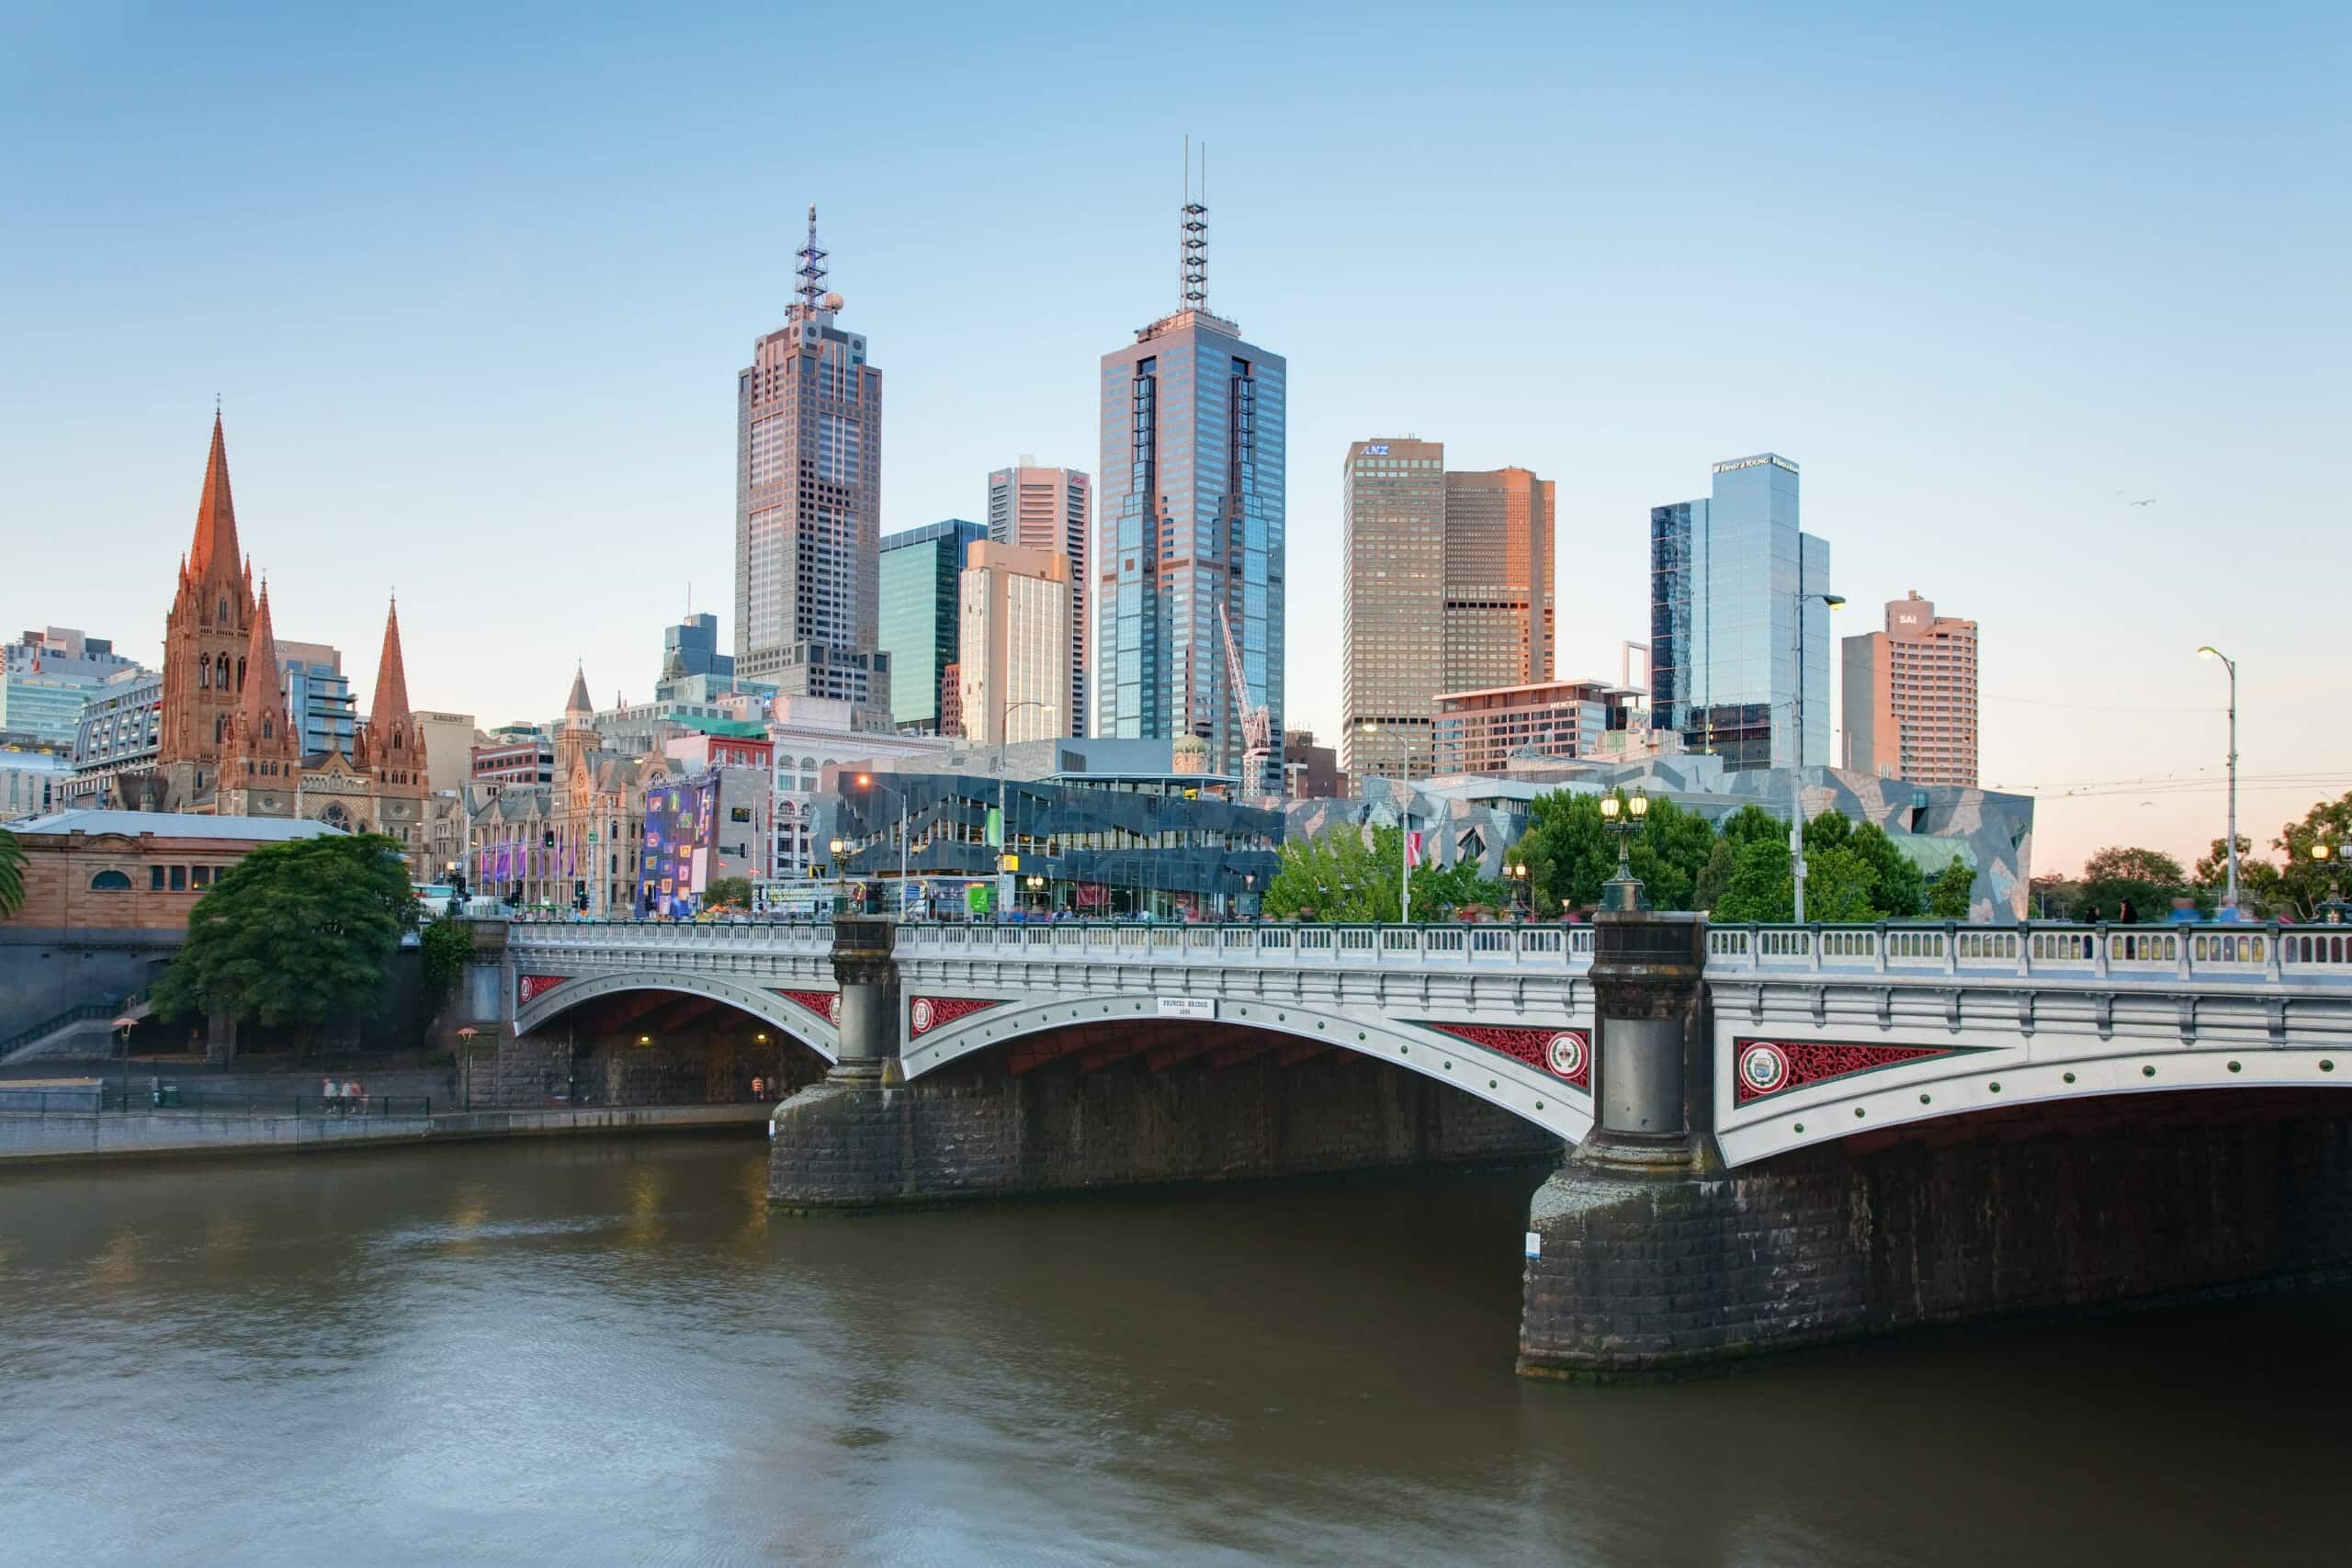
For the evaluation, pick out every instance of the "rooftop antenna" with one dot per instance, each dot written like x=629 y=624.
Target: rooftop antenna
x=1195 y=233
x=812 y=272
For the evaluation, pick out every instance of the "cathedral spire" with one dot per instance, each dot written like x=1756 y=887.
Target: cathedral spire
x=390 y=706
x=216 y=514
x=263 y=697
x=578 y=703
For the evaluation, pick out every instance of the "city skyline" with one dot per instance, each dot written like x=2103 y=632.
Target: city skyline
x=1980 y=381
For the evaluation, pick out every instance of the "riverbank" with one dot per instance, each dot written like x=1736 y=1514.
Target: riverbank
x=26 y=1139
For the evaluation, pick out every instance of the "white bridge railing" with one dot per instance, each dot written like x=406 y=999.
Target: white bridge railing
x=2297 y=954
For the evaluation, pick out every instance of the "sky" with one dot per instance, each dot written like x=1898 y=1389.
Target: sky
x=472 y=284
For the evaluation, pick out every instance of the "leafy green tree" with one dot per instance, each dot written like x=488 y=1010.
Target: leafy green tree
x=1898 y=887
x=2149 y=879
x=729 y=893
x=1760 y=888
x=446 y=946
x=1714 y=877
x=1949 y=895
x=12 y=874
x=1341 y=877
x=294 y=933
x=2304 y=881
x=2262 y=892
x=1751 y=823
x=1570 y=853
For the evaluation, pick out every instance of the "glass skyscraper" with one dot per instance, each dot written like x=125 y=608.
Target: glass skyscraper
x=1189 y=517
x=1735 y=587
x=920 y=614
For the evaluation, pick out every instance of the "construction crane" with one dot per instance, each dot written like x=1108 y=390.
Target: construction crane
x=1256 y=722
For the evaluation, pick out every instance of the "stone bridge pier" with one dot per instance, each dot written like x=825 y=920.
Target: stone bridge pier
x=1648 y=1257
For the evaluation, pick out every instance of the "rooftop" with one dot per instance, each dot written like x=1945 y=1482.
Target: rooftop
x=173 y=825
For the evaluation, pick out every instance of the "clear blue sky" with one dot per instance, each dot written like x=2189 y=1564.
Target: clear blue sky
x=474 y=281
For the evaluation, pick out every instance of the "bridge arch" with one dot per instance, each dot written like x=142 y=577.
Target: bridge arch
x=1560 y=1103
x=791 y=1019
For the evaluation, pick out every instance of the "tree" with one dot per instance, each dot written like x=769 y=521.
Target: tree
x=12 y=874
x=1760 y=888
x=2303 y=882
x=729 y=893
x=2149 y=879
x=2261 y=892
x=294 y=933
x=1714 y=877
x=448 y=947
x=1949 y=896
x=1898 y=887
x=1335 y=877
x=1571 y=854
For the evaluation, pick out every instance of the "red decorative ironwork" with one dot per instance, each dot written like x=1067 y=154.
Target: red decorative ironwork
x=928 y=1013
x=530 y=985
x=826 y=1005
x=1564 y=1053
x=1763 y=1067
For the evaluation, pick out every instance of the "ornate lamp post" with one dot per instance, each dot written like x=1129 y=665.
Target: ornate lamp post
x=1622 y=818
x=2333 y=910
x=1515 y=873
x=2230 y=900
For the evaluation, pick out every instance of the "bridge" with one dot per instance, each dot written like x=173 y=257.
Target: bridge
x=1814 y=1029
x=1779 y=1135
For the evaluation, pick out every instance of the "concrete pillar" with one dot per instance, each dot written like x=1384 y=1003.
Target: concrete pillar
x=868 y=976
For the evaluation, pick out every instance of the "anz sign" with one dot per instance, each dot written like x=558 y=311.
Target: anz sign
x=1375 y=449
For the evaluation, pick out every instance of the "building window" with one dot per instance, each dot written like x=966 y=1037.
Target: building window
x=154 y=879
x=110 y=882
x=179 y=879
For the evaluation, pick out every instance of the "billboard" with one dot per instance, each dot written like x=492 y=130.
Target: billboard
x=674 y=857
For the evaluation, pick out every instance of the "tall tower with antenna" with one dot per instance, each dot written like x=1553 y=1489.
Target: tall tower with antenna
x=1189 y=539
x=809 y=506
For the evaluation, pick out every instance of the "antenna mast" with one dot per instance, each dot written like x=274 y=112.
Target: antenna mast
x=812 y=273
x=1195 y=233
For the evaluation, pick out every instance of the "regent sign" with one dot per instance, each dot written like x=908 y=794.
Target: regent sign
x=1756 y=463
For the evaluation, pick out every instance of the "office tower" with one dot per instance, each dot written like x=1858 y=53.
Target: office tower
x=318 y=697
x=1015 y=662
x=1190 y=519
x=1910 y=697
x=1051 y=509
x=690 y=648
x=1736 y=590
x=1449 y=588
x=45 y=677
x=1497 y=580
x=1481 y=732
x=921 y=617
x=807 y=510
x=1392 y=654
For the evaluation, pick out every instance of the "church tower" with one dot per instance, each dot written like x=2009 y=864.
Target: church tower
x=393 y=751
x=578 y=735
x=261 y=762
x=206 y=642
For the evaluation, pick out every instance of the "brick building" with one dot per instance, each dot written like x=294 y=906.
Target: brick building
x=134 y=870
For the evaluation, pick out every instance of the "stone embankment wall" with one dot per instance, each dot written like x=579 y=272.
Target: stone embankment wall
x=974 y=1131
x=2108 y=1203
x=117 y=1135
x=559 y=1064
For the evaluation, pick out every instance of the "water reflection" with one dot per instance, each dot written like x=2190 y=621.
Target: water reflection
x=595 y=1353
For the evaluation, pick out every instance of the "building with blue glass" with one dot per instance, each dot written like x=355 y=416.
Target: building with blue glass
x=1737 y=615
x=1190 y=519
x=920 y=614
x=319 y=697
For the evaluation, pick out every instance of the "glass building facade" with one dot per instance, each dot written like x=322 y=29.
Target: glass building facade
x=1190 y=516
x=920 y=614
x=1735 y=615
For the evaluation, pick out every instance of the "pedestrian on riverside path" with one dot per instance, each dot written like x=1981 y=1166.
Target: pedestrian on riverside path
x=759 y=1089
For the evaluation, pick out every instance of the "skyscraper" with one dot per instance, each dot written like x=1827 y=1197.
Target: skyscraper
x=921 y=616
x=807 y=508
x=1392 y=656
x=1910 y=697
x=1190 y=519
x=1051 y=509
x=1497 y=580
x=1449 y=588
x=1014 y=663
x=1736 y=589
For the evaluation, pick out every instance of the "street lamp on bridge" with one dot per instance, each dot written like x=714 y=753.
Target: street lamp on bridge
x=1622 y=818
x=2229 y=900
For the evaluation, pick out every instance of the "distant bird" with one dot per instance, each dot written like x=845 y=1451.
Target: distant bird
x=2150 y=502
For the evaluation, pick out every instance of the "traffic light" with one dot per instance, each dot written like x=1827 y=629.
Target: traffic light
x=546 y=840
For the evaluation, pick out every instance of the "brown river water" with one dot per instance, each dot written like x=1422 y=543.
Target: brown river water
x=612 y=1352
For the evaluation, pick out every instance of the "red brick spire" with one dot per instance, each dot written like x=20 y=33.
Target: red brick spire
x=390 y=706
x=264 y=696
x=216 y=514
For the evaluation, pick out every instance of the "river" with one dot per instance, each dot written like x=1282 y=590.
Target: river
x=612 y=1352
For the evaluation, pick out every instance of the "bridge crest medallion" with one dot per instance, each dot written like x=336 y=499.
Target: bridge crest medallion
x=527 y=986
x=928 y=1013
x=826 y=1005
x=1564 y=1053
x=1764 y=1068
